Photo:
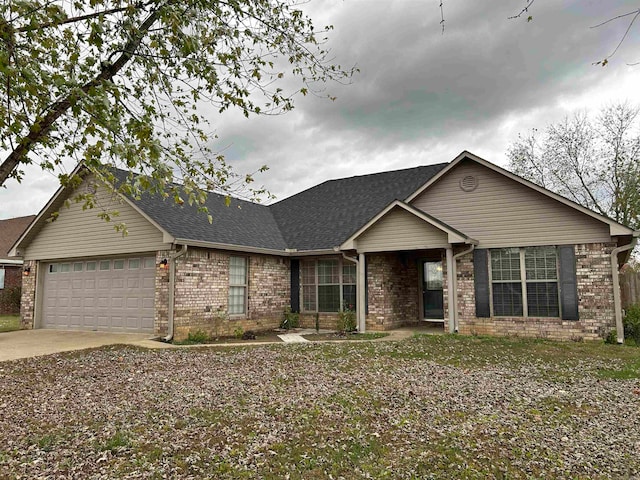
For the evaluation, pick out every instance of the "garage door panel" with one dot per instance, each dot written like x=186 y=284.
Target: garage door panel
x=100 y=299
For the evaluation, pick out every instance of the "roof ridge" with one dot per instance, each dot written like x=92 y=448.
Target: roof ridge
x=385 y=172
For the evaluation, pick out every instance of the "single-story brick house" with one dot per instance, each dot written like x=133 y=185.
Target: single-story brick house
x=11 y=267
x=464 y=243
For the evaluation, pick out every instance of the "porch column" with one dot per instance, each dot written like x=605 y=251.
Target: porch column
x=361 y=293
x=451 y=291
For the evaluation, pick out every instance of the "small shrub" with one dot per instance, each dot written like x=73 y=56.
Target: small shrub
x=238 y=332
x=632 y=323
x=249 y=335
x=347 y=321
x=290 y=319
x=611 y=337
x=199 y=336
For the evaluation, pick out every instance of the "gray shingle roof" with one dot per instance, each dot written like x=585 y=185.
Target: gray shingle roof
x=321 y=217
x=242 y=223
x=326 y=215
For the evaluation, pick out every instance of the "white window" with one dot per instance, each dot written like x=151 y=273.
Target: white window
x=237 y=285
x=328 y=285
x=524 y=282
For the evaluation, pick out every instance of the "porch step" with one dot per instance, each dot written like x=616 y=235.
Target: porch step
x=292 y=338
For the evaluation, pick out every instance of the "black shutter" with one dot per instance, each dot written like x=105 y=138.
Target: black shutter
x=568 y=282
x=481 y=282
x=295 y=286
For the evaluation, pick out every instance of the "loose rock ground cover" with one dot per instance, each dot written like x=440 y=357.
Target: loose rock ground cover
x=428 y=407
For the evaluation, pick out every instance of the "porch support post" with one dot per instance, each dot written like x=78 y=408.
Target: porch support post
x=361 y=301
x=451 y=291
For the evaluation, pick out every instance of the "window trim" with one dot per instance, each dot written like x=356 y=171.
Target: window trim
x=523 y=283
x=245 y=306
x=341 y=264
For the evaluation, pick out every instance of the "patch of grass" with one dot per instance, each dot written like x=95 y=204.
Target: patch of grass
x=117 y=441
x=626 y=371
x=9 y=323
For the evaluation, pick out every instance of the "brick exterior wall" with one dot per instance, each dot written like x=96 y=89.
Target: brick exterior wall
x=393 y=289
x=595 y=296
x=202 y=291
x=28 y=298
x=12 y=281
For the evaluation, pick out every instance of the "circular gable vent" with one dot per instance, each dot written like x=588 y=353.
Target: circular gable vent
x=469 y=183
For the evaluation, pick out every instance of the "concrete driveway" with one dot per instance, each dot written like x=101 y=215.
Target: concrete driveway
x=33 y=343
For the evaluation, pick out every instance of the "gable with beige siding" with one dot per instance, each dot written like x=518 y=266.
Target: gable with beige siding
x=80 y=233
x=501 y=212
x=400 y=230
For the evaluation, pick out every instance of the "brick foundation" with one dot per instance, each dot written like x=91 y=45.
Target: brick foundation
x=595 y=295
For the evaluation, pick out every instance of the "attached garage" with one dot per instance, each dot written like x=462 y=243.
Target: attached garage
x=107 y=294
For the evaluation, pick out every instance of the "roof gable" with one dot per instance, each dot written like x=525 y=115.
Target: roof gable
x=614 y=227
x=424 y=227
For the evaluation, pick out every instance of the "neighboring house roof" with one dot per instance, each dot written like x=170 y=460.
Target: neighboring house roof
x=10 y=230
x=324 y=216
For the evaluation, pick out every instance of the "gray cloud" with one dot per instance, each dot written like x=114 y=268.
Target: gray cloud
x=422 y=97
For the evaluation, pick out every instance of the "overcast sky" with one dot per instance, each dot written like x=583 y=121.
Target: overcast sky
x=421 y=96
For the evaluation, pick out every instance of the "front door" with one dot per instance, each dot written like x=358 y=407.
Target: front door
x=432 y=290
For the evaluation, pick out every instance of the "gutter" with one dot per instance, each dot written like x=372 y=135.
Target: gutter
x=617 y=302
x=172 y=284
x=454 y=302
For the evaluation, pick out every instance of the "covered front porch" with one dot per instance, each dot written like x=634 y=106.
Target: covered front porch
x=406 y=263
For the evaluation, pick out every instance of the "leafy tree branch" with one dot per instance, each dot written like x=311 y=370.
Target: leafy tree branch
x=123 y=83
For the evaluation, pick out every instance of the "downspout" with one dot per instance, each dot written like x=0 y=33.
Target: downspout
x=617 y=303
x=359 y=309
x=455 y=281
x=172 y=284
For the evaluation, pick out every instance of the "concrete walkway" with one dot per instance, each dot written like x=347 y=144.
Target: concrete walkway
x=33 y=343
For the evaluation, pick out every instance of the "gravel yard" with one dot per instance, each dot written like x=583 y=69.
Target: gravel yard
x=428 y=407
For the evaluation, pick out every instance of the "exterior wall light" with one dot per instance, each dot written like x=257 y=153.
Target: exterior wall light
x=164 y=263
x=26 y=271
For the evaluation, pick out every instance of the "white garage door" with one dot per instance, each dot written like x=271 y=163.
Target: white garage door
x=114 y=294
